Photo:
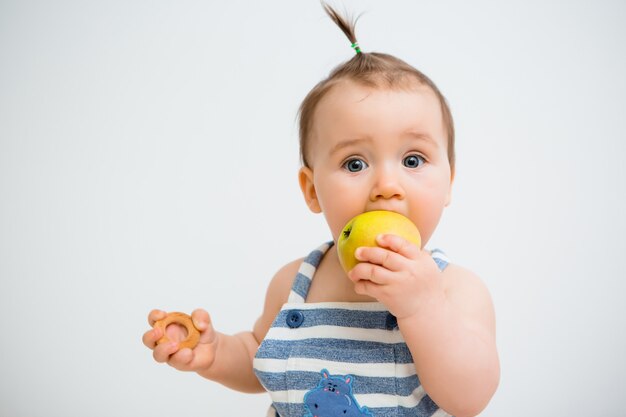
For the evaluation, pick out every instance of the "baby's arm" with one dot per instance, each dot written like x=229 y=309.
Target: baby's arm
x=452 y=339
x=447 y=320
x=223 y=358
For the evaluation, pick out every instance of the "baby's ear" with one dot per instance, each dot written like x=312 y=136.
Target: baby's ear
x=305 y=177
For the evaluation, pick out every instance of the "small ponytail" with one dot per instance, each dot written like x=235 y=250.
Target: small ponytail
x=346 y=25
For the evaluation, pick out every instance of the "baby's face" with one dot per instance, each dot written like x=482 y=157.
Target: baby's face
x=378 y=149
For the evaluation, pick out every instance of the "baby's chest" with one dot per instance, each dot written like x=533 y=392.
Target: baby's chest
x=333 y=288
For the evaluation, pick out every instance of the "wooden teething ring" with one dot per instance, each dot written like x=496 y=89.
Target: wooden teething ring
x=193 y=335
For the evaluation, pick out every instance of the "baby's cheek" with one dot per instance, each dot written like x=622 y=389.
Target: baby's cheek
x=429 y=216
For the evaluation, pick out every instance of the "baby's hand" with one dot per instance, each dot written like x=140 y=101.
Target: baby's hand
x=197 y=359
x=398 y=274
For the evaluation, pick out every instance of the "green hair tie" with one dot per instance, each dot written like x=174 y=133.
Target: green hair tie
x=356 y=48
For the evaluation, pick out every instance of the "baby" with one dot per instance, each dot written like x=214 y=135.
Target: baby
x=405 y=332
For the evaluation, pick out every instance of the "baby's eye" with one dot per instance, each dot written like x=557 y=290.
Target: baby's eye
x=413 y=161
x=355 y=165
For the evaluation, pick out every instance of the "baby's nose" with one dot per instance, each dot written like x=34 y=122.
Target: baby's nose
x=387 y=186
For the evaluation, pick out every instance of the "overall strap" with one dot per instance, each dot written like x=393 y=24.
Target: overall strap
x=440 y=258
x=302 y=282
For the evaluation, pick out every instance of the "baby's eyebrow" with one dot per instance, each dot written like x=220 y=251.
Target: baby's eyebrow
x=422 y=137
x=349 y=142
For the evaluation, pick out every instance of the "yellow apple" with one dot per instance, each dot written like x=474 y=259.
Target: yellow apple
x=363 y=229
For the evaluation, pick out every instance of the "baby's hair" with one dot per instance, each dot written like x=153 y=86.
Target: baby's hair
x=371 y=69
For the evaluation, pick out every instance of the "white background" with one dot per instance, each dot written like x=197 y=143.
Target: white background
x=148 y=158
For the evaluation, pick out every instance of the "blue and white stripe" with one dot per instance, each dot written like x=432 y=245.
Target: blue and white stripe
x=302 y=282
x=359 y=339
x=440 y=258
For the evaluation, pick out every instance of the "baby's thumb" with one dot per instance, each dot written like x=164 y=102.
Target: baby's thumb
x=202 y=321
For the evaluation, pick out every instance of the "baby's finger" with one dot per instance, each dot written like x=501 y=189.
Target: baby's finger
x=367 y=287
x=182 y=359
x=399 y=245
x=381 y=256
x=163 y=351
x=151 y=336
x=156 y=315
x=376 y=274
x=202 y=321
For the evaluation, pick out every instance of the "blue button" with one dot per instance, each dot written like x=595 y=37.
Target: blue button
x=391 y=322
x=294 y=318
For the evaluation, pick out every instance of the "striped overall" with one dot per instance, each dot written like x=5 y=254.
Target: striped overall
x=337 y=359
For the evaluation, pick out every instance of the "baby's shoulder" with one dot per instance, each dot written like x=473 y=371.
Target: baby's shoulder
x=277 y=295
x=468 y=292
x=281 y=283
x=457 y=274
x=458 y=278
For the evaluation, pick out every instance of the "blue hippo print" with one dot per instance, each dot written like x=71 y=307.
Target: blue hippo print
x=333 y=398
